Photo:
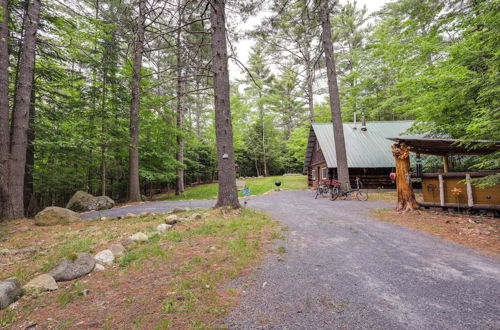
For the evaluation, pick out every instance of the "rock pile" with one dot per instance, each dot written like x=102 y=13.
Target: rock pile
x=83 y=202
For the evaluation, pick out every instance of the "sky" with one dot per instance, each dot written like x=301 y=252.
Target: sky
x=244 y=45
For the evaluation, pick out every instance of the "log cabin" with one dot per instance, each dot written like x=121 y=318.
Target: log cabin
x=369 y=155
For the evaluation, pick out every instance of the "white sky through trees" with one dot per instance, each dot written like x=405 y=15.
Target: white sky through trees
x=243 y=46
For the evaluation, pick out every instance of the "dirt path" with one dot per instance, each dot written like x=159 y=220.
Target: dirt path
x=343 y=269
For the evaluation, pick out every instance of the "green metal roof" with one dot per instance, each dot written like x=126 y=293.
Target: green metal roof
x=365 y=149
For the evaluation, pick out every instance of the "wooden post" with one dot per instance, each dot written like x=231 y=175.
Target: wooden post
x=406 y=196
x=441 y=189
x=446 y=164
x=470 y=199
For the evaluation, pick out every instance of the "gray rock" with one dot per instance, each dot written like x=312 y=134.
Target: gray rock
x=139 y=237
x=68 y=270
x=152 y=234
x=43 y=282
x=206 y=215
x=127 y=243
x=163 y=228
x=178 y=210
x=83 y=202
x=10 y=291
x=105 y=257
x=118 y=250
x=171 y=219
x=144 y=214
x=99 y=268
x=196 y=216
x=129 y=216
x=54 y=215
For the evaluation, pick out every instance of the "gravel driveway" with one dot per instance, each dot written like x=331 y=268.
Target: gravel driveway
x=343 y=269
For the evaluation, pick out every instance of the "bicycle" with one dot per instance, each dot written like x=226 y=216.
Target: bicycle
x=338 y=192
x=323 y=189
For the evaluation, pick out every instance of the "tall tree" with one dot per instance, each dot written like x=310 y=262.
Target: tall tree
x=20 y=112
x=134 y=187
x=4 y=108
x=180 y=90
x=333 y=90
x=228 y=194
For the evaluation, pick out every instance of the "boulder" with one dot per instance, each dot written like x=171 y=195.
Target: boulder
x=43 y=282
x=144 y=214
x=105 y=257
x=179 y=210
x=54 y=215
x=139 y=237
x=83 y=202
x=68 y=270
x=118 y=250
x=10 y=291
x=129 y=215
x=163 y=228
x=171 y=219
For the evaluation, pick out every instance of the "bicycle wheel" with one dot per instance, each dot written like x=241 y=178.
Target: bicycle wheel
x=344 y=195
x=335 y=193
x=324 y=192
x=317 y=193
x=362 y=196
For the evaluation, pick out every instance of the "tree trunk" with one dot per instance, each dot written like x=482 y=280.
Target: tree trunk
x=20 y=116
x=310 y=96
x=228 y=195
x=134 y=187
x=180 y=106
x=333 y=90
x=29 y=189
x=406 y=197
x=4 y=110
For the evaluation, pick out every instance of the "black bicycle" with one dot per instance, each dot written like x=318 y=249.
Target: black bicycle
x=338 y=192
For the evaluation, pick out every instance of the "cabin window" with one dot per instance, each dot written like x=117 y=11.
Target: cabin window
x=324 y=173
x=313 y=174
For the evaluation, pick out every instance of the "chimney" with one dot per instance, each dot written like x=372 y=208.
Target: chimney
x=363 y=121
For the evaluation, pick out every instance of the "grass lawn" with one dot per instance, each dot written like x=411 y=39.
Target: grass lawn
x=257 y=186
x=176 y=280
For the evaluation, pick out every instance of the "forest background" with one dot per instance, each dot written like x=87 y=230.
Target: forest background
x=432 y=61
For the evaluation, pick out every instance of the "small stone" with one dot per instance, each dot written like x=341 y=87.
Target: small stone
x=152 y=234
x=43 y=282
x=179 y=210
x=163 y=228
x=105 y=257
x=104 y=218
x=171 y=219
x=85 y=292
x=127 y=243
x=118 y=250
x=213 y=248
x=196 y=216
x=144 y=214
x=206 y=215
x=129 y=215
x=99 y=268
x=10 y=291
x=68 y=270
x=139 y=237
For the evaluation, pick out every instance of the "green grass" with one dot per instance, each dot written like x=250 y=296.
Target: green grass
x=257 y=186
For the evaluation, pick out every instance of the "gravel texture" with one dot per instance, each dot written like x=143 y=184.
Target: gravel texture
x=343 y=269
